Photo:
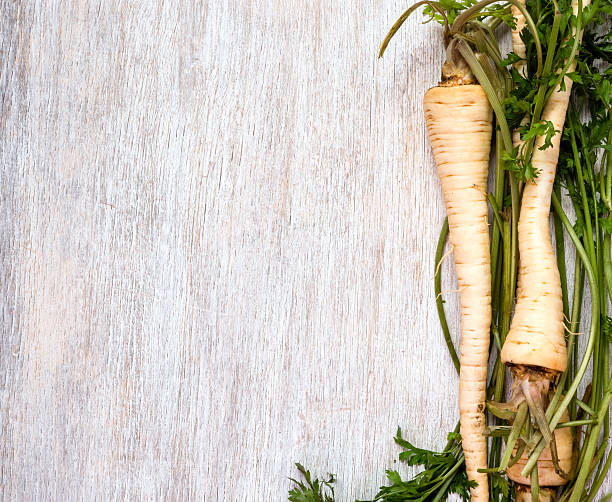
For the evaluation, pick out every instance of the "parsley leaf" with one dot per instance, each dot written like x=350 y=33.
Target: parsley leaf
x=443 y=473
x=312 y=490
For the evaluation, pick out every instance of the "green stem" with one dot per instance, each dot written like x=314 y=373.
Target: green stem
x=505 y=313
x=585 y=466
x=438 y=292
x=572 y=352
x=497 y=269
x=574 y=324
x=560 y=247
x=451 y=442
x=448 y=478
x=535 y=486
x=499 y=198
x=590 y=246
x=574 y=51
x=521 y=416
x=607 y=262
x=468 y=14
x=586 y=407
x=495 y=208
x=514 y=193
x=397 y=25
x=576 y=423
x=518 y=454
x=604 y=256
x=607 y=272
x=507 y=293
x=603 y=178
x=608 y=189
x=541 y=100
x=600 y=478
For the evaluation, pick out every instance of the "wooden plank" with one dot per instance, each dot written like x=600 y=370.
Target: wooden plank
x=217 y=249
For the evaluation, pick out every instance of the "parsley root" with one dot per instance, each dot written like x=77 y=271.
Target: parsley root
x=461 y=151
x=536 y=336
x=535 y=347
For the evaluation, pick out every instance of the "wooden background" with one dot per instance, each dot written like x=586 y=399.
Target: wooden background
x=216 y=243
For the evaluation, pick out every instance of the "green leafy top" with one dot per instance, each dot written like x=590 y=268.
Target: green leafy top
x=443 y=473
x=585 y=140
x=312 y=490
x=452 y=8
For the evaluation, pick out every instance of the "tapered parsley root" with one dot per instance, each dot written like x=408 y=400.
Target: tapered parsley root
x=536 y=339
x=537 y=333
x=459 y=122
x=535 y=347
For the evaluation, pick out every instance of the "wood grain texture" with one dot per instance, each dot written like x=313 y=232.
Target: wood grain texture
x=216 y=248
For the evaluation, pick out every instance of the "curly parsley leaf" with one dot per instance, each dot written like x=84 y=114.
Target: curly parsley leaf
x=312 y=490
x=521 y=169
x=443 y=473
x=545 y=129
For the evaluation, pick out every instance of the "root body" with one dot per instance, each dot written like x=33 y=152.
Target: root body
x=459 y=124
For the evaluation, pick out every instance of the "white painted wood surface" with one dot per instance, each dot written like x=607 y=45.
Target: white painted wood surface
x=216 y=248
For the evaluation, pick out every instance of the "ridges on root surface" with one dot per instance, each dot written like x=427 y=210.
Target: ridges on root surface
x=462 y=161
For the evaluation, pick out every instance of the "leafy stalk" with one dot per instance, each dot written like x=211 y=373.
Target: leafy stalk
x=438 y=292
x=312 y=490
